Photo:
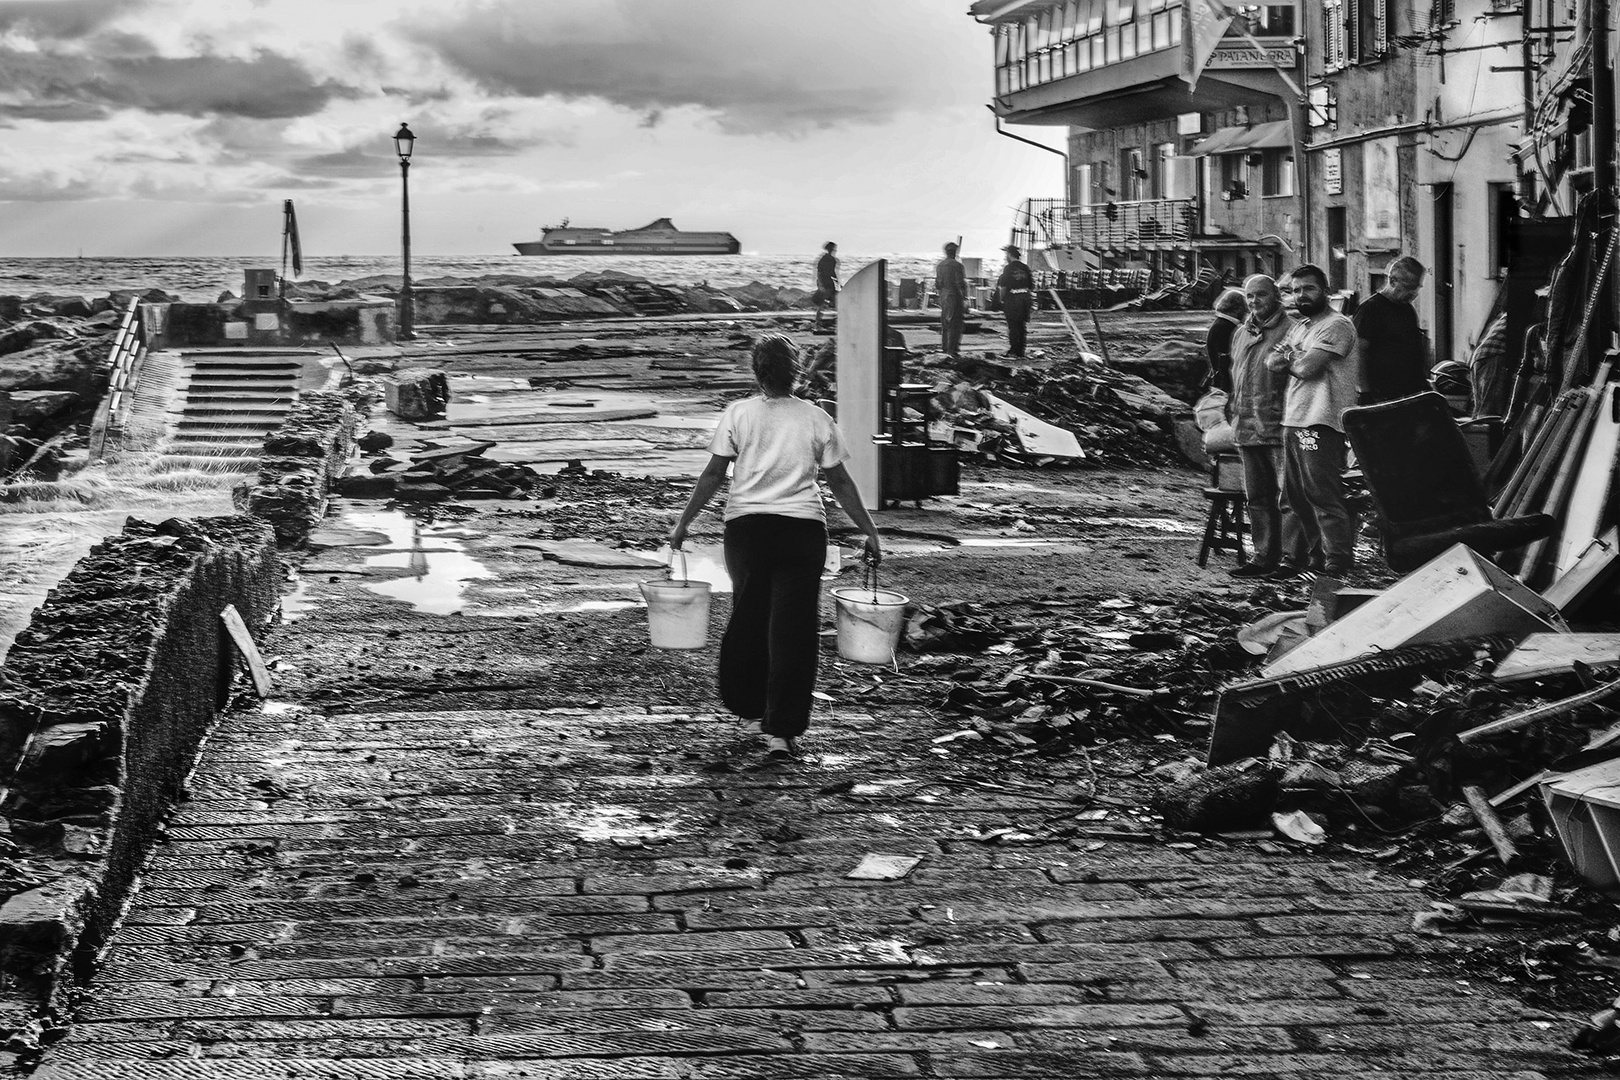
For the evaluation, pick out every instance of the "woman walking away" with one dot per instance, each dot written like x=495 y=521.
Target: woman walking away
x=775 y=542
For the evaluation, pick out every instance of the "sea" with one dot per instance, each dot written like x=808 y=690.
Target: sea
x=202 y=278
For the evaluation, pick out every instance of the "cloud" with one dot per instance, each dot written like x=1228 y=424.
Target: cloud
x=755 y=67
x=60 y=18
x=55 y=112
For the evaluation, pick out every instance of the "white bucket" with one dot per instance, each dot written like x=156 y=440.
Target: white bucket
x=677 y=613
x=869 y=624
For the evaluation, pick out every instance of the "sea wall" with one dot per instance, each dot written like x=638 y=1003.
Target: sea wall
x=104 y=699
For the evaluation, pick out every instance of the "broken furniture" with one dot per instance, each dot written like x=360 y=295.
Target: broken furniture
x=1426 y=490
x=891 y=458
x=1457 y=594
x=1224 y=525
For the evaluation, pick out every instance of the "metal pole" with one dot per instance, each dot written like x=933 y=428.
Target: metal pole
x=407 y=330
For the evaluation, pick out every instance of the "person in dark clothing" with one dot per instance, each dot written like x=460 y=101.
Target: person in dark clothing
x=1230 y=309
x=775 y=542
x=950 y=285
x=1390 y=352
x=826 y=294
x=1015 y=288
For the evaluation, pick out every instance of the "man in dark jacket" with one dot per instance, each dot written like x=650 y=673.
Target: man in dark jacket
x=950 y=285
x=826 y=294
x=1256 y=409
x=1015 y=288
x=1390 y=352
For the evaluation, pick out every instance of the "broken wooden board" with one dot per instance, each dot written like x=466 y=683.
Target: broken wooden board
x=1457 y=594
x=873 y=867
x=1540 y=655
x=248 y=648
x=1035 y=436
x=586 y=553
x=569 y=415
x=1577 y=585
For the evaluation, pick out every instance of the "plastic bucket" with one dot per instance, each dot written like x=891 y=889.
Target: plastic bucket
x=677 y=613
x=869 y=624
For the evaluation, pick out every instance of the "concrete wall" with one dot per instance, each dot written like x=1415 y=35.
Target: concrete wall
x=345 y=322
x=300 y=461
x=106 y=695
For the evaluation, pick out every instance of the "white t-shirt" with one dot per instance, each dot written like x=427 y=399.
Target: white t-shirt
x=778 y=446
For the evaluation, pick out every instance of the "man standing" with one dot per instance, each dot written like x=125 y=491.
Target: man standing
x=1256 y=411
x=826 y=294
x=1390 y=351
x=950 y=284
x=1015 y=288
x=1318 y=355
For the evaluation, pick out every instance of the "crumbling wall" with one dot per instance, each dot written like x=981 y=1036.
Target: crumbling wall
x=104 y=699
x=300 y=461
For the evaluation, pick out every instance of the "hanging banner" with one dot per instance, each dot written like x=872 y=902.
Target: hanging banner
x=1203 y=24
x=1381 y=192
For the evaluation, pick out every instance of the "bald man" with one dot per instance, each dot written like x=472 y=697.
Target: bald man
x=1256 y=410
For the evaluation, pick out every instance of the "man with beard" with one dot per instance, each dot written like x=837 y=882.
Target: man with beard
x=1256 y=410
x=1319 y=356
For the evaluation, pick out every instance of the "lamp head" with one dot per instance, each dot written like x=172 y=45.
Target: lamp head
x=404 y=142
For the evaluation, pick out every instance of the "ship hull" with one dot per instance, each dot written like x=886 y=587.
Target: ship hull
x=540 y=247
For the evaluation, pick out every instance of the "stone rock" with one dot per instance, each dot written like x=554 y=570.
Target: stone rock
x=429 y=492
x=1221 y=799
x=1190 y=440
x=71 y=306
x=11 y=307
x=372 y=441
x=63 y=748
x=227 y=297
x=17 y=338
x=55 y=365
x=31 y=407
x=1376 y=782
x=422 y=394
x=46 y=920
x=368 y=486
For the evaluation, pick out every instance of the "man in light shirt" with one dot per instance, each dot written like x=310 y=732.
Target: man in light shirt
x=1319 y=355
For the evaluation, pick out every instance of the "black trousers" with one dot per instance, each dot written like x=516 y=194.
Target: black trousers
x=769 y=652
x=1016 y=309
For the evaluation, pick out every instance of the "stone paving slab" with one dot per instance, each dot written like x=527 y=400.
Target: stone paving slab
x=563 y=894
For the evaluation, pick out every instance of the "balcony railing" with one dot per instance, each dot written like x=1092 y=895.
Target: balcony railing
x=1150 y=224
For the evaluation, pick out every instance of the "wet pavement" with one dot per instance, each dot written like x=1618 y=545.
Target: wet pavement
x=483 y=830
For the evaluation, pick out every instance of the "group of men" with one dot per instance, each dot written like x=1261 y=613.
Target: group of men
x=1292 y=378
x=1015 y=293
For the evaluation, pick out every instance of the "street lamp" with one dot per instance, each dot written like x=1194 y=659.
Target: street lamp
x=404 y=142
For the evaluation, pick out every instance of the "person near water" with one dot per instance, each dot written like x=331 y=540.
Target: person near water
x=950 y=285
x=775 y=445
x=826 y=294
x=1319 y=356
x=1015 y=288
x=1255 y=409
x=1230 y=308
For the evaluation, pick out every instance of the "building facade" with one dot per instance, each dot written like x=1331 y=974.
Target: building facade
x=1162 y=177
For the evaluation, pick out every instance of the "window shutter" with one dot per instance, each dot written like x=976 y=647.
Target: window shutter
x=1380 y=29
x=1352 y=25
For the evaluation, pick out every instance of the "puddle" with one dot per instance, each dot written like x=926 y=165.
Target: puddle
x=298 y=603
x=1146 y=524
x=702 y=562
x=438 y=563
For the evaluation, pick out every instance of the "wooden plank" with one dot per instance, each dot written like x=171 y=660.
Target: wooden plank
x=1594 y=481
x=1540 y=655
x=1494 y=830
x=248 y=648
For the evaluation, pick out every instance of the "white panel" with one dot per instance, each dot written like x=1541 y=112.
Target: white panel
x=861 y=317
x=1181 y=180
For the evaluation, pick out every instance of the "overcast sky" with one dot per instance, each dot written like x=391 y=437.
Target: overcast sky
x=176 y=127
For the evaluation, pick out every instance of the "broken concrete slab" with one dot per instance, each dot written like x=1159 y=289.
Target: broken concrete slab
x=422 y=394
x=1458 y=594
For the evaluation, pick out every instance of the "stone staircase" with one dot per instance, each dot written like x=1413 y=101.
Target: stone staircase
x=228 y=402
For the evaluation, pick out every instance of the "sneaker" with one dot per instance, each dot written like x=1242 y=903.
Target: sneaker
x=1252 y=570
x=778 y=748
x=1287 y=572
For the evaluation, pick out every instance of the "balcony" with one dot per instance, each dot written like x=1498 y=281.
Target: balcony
x=1148 y=225
x=1096 y=64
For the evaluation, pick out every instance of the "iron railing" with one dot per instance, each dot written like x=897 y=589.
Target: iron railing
x=128 y=350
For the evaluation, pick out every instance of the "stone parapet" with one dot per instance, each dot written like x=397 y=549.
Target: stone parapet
x=104 y=699
x=300 y=461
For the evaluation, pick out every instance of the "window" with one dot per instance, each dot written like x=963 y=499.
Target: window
x=1120 y=12
x=1333 y=27
x=1084 y=193
x=1161 y=169
x=1277 y=173
x=1234 y=179
x=1131 y=174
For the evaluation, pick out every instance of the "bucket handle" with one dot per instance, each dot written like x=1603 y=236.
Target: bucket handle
x=869 y=578
x=685 y=580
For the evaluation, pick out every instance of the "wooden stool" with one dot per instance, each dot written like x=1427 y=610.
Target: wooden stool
x=1225 y=525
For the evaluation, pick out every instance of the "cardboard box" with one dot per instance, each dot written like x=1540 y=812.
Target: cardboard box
x=1457 y=594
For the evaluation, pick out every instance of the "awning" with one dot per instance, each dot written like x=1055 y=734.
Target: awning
x=1231 y=140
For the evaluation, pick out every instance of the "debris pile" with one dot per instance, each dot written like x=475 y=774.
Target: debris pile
x=439 y=472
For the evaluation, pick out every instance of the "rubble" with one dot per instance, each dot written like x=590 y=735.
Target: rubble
x=442 y=471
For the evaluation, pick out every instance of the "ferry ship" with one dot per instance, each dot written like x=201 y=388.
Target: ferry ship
x=659 y=238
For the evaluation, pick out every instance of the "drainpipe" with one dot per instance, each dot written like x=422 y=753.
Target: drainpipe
x=1039 y=146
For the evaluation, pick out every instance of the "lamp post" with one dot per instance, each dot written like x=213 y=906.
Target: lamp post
x=404 y=143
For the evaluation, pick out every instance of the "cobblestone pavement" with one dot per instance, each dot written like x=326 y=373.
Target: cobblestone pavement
x=586 y=894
